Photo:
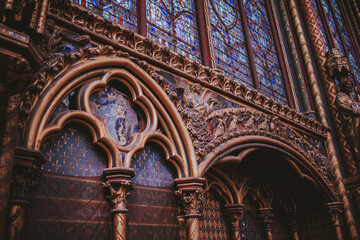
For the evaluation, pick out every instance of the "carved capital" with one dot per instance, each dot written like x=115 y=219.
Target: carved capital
x=266 y=217
x=234 y=214
x=118 y=186
x=190 y=192
x=335 y=210
x=336 y=64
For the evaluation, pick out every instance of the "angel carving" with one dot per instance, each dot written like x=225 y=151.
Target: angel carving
x=200 y=102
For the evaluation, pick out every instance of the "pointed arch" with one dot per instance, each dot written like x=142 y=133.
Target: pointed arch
x=250 y=144
x=145 y=92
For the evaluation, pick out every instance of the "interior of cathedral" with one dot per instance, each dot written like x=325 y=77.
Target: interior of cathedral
x=180 y=119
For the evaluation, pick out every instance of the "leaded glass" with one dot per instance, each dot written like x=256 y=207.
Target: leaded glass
x=266 y=59
x=119 y=11
x=228 y=39
x=320 y=24
x=173 y=24
x=349 y=50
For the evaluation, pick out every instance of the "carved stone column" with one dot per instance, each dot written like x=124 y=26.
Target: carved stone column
x=25 y=178
x=190 y=192
x=319 y=50
x=266 y=218
x=235 y=213
x=293 y=223
x=335 y=210
x=118 y=185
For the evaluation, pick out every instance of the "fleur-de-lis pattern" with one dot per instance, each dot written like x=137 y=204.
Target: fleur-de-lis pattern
x=151 y=169
x=71 y=153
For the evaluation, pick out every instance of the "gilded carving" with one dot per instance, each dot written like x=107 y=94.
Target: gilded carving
x=191 y=201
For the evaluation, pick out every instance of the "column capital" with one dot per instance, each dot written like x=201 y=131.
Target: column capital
x=266 y=217
x=335 y=209
x=234 y=212
x=118 y=184
x=190 y=191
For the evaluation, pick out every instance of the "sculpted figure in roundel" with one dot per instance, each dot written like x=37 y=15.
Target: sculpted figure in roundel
x=349 y=113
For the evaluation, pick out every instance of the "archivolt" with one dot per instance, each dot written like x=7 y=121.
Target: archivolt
x=95 y=74
x=248 y=144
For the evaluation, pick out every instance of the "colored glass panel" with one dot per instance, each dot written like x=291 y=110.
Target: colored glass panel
x=119 y=11
x=266 y=59
x=251 y=227
x=73 y=153
x=172 y=23
x=320 y=24
x=228 y=39
x=346 y=48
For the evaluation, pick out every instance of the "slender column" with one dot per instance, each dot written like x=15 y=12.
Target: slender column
x=118 y=185
x=7 y=151
x=141 y=18
x=266 y=216
x=182 y=227
x=280 y=55
x=204 y=46
x=299 y=76
x=190 y=198
x=235 y=213
x=293 y=223
x=25 y=178
x=335 y=210
x=350 y=9
x=210 y=42
x=319 y=52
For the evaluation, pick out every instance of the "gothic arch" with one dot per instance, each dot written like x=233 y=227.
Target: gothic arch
x=93 y=75
x=249 y=144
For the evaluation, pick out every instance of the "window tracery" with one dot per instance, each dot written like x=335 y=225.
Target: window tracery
x=173 y=24
x=119 y=11
x=266 y=58
x=229 y=42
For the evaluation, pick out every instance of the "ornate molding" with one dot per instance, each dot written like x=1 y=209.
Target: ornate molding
x=253 y=122
x=146 y=49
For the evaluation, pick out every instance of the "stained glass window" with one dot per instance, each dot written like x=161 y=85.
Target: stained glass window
x=320 y=24
x=266 y=59
x=228 y=39
x=119 y=11
x=346 y=48
x=173 y=24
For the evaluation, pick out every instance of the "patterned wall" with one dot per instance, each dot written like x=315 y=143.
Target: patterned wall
x=72 y=153
x=152 y=214
x=68 y=208
x=151 y=169
x=212 y=224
